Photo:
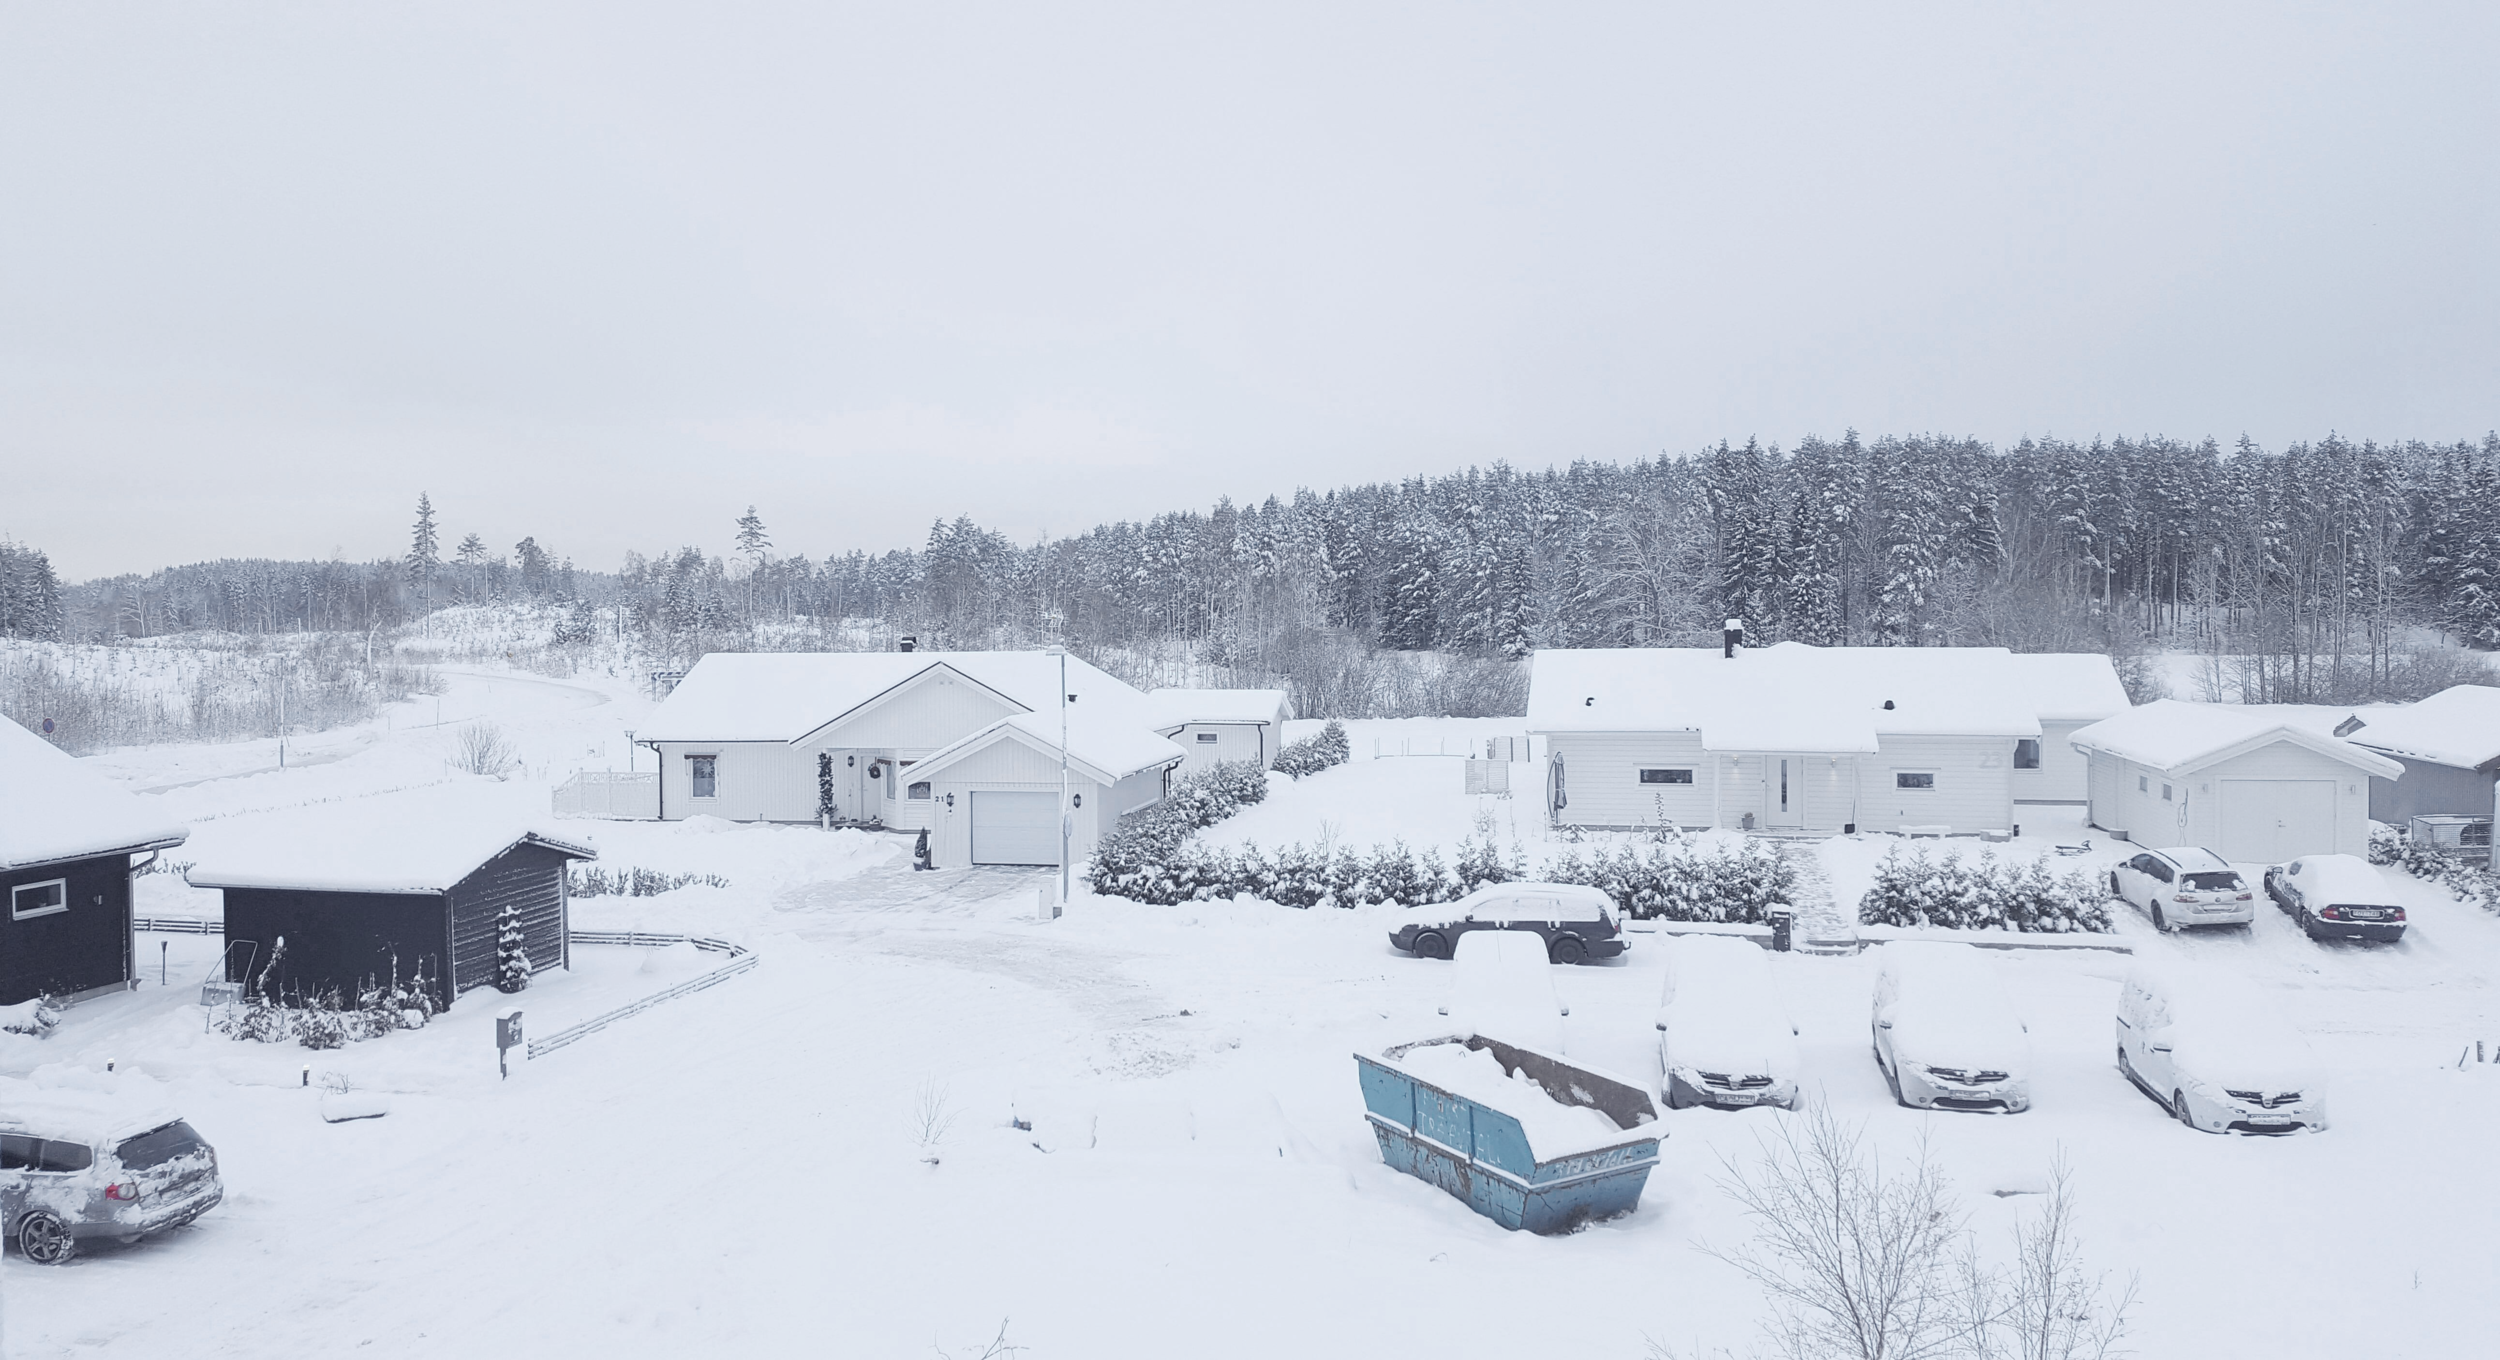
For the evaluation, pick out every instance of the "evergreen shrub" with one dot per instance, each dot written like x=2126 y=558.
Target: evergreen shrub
x=1983 y=892
x=1314 y=753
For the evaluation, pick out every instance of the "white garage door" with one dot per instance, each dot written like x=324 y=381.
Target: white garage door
x=1015 y=828
x=2267 y=821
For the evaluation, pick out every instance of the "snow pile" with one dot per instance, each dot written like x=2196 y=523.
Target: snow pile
x=1502 y=987
x=1981 y=892
x=1683 y=877
x=1554 y=1128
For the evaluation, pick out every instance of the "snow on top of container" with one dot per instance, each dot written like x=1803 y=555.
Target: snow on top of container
x=53 y=809
x=1554 y=1128
x=1721 y=1010
x=1786 y=697
x=783 y=696
x=2458 y=726
x=2177 y=736
x=1180 y=707
x=425 y=843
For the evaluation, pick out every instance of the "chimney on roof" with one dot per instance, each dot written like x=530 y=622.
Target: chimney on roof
x=1729 y=636
x=908 y=643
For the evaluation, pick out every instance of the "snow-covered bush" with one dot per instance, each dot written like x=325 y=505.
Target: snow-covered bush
x=1314 y=753
x=1147 y=856
x=1983 y=892
x=1301 y=876
x=593 y=881
x=326 y=1020
x=35 y=1017
x=2468 y=882
x=1679 y=878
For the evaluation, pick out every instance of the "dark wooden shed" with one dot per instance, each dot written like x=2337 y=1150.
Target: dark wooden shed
x=351 y=926
x=67 y=836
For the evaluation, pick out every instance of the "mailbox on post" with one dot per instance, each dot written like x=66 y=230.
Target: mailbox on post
x=507 y=1037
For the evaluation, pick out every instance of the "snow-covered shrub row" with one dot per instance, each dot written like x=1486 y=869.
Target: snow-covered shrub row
x=1315 y=752
x=592 y=881
x=1305 y=876
x=1679 y=878
x=326 y=1020
x=1147 y=843
x=2468 y=882
x=1982 y=892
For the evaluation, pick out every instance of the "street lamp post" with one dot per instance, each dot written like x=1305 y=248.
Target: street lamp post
x=1067 y=822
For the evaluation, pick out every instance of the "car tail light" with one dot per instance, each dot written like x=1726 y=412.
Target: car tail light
x=2330 y=913
x=2246 y=896
x=126 y=1191
x=2184 y=897
x=2395 y=913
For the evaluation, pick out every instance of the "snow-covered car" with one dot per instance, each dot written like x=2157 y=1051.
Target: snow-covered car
x=2337 y=897
x=1946 y=1035
x=2212 y=1050
x=1577 y=924
x=2184 y=886
x=1723 y=1039
x=75 y=1165
x=1502 y=987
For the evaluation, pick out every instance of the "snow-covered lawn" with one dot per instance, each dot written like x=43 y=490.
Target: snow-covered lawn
x=818 y=1157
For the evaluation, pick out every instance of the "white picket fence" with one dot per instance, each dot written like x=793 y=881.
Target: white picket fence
x=609 y=794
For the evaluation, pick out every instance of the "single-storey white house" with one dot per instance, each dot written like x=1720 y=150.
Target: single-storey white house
x=1804 y=739
x=2247 y=784
x=1215 y=725
x=2069 y=691
x=962 y=744
x=2449 y=746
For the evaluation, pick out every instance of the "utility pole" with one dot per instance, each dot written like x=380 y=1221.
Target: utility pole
x=1067 y=821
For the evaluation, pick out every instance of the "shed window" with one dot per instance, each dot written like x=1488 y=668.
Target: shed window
x=1208 y=738
x=2143 y=784
x=1914 y=779
x=2027 y=753
x=705 y=771
x=39 y=899
x=919 y=790
x=1666 y=776
x=2165 y=793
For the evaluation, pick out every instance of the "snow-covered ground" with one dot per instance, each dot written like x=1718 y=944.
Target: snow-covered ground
x=820 y=1156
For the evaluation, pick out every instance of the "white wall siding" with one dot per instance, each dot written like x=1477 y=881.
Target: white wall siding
x=755 y=781
x=1233 y=741
x=2064 y=774
x=1974 y=791
x=924 y=715
x=1602 y=778
x=1134 y=792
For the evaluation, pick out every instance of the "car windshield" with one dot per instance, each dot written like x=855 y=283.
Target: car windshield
x=158 y=1146
x=2219 y=881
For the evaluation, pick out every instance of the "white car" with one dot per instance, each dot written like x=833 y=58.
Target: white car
x=2185 y=886
x=2212 y=1050
x=1502 y=987
x=1946 y=1035
x=1722 y=1038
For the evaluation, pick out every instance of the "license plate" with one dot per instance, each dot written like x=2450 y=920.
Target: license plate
x=1738 y=1097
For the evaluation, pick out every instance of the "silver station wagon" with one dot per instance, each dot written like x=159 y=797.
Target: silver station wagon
x=75 y=1166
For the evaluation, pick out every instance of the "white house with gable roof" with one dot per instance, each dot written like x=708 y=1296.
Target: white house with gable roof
x=1813 y=740
x=1217 y=725
x=963 y=744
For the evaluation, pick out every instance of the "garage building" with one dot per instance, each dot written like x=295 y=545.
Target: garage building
x=2246 y=784
x=66 y=838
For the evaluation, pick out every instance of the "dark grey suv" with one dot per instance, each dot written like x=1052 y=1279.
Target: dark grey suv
x=1578 y=924
x=75 y=1166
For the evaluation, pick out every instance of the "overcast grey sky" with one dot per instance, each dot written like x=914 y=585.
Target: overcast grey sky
x=608 y=273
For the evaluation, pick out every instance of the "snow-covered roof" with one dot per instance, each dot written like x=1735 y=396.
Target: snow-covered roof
x=2176 y=736
x=2458 y=726
x=1180 y=707
x=2068 y=686
x=53 y=809
x=1786 y=697
x=425 y=845
x=91 y=1117
x=783 y=696
x=1104 y=747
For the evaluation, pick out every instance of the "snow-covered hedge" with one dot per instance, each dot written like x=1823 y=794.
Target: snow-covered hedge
x=1314 y=753
x=593 y=881
x=1138 y=856
x=2468 y=882
x=1681 y=878
x=1982 y=892
x=1303 y=876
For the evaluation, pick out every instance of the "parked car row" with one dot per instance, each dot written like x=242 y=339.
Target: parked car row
x=2329 y=896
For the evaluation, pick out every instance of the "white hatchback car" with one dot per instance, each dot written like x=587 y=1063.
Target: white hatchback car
x=1722 y=1038
x=1946 y=1034
x=2210 y=1048
x=2184 y=886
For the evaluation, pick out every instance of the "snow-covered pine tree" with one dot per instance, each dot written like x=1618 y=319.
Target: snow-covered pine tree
x=512 y=956
x=825 y=809
x=424 y=559
x=30 y=595
x=752 y=540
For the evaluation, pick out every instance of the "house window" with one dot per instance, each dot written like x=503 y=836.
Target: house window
x=705 y=771
x=39 y=899
x=919 y=790
x=1206 y=738
x=2165 y=793
x=2027 y=753
x=1914 y=779
x=1666 y=776
x=2143 y=784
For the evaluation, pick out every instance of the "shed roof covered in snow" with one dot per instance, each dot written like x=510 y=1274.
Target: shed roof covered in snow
x=784 y=696
x=1176 y=708
x=53 y=809
x=2178 y=737
x=2458 y=726
x=1787 y=697
x=427 y=845
x=2068 y=686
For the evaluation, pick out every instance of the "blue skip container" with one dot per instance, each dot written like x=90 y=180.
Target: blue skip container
x=1483 y=1154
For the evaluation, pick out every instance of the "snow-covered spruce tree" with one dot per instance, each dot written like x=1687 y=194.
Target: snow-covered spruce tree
x=512 y=956
x=825 y=809
x=424 y=555
x=30 y=595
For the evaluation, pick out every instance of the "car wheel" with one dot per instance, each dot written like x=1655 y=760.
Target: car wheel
x=1568 y=949
x=1892 y=1079
x=45 y=1239
x=1431 y=946
x=2178 y=1107
x=2160 y=922
x=2124 y=1065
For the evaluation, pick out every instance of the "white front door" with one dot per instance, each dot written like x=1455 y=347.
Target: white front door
x=1786 y=776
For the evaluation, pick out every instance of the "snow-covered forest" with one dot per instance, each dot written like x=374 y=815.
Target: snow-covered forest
x=2332 y=571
